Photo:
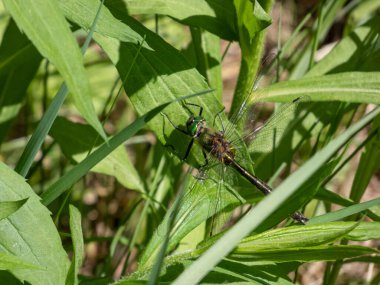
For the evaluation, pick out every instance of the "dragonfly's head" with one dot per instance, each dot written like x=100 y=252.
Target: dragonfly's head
x=195 y=125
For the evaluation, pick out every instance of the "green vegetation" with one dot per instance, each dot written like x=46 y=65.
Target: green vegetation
x=92 y=185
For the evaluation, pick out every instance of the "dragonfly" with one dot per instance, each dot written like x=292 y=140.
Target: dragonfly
x=216 y=145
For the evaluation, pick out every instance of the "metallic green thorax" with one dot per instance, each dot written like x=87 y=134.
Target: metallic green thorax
x=195 y=125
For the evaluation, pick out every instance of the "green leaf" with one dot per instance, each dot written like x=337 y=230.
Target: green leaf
x=344 y=87
x=206 y=48
x=38 y=137
x=365 y=231
x=78 y=246
x=368 y=259
x=332 y=197
x=19 y=61
x=9 y=207
x=296 y=236
x=11 y=262
x=310 y=254
x=251 y=19
x=234 y=272
x=210 y=15
x=30 y=233
x=76 y=140
x=47 y=28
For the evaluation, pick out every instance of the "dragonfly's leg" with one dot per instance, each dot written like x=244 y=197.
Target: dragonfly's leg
x=174 y=125
x=202 y=173
x=220 y=119
x=196 y=105
x=188 y=149
x=205 y=157
x=182 y=131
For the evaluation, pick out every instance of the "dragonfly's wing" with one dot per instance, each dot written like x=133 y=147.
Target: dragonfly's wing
x=266 y=137
x=193 y=210
x=225 y=201
x=204 y=197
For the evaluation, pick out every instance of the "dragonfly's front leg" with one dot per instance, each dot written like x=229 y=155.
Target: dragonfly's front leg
x=184 y=132
x=174 y=125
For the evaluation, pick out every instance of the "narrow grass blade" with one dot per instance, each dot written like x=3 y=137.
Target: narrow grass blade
x=78 y=246
x=35 y=142
x=345 y=212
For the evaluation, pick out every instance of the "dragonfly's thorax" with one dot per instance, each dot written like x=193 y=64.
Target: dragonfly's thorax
x=196 y=126
x=211 y=140
x=217 y=145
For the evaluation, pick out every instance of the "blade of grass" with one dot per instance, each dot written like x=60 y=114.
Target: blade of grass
x=345 y=212
x=78 y=246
